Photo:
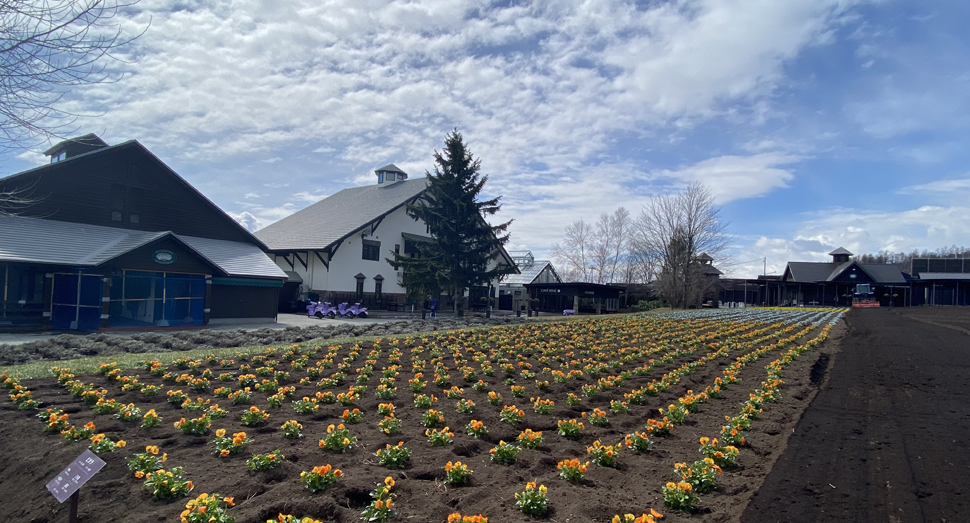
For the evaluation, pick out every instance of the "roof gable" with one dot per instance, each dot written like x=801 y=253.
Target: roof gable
x=79 y=189
x=814 y=272
x=336 y=217
x=529 y=275
x=809 y=272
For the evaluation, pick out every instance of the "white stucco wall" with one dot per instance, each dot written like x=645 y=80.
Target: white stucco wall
x=348 y=261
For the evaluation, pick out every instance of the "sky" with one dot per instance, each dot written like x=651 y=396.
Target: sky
x=816 y=123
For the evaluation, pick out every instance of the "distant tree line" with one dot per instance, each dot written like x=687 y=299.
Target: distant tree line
x=904 y=260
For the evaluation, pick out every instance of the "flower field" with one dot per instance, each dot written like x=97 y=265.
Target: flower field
x=607 y=419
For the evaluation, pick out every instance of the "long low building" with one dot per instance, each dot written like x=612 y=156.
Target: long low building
x=110 y=237
x=846 y=282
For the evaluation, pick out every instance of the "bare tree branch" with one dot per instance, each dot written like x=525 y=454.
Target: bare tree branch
x=46 y=47
x=674 y=230
x=573 y=254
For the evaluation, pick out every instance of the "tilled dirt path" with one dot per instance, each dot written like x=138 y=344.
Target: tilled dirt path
x=886 y=437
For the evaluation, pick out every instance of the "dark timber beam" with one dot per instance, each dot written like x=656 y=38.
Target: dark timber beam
x=375 y=224
x=324 y=262
x=288 y=262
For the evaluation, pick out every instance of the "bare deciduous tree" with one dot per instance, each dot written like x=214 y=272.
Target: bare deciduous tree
x=574 y=253
x=609 y=245
x=46 y=47
x=594 y=253
x=675 y=229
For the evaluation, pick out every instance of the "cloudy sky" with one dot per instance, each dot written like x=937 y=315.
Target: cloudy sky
x=818 y=123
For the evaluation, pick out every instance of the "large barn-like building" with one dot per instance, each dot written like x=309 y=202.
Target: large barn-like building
x=337 y=249
x=111 y=237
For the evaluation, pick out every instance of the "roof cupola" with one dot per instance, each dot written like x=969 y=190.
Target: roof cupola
x=840 y=255
x=389 y=174
x=74 y=147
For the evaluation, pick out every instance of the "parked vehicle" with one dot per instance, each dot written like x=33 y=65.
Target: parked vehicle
x=344 y=311
x=358 y=311
x=321 y=309
x=311 y=308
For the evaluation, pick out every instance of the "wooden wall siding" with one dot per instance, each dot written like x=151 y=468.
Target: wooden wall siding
x=141 y=259
x=861 y=276
x=242 y=301
x=80 y=190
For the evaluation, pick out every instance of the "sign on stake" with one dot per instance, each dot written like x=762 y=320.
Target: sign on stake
x=67 y=483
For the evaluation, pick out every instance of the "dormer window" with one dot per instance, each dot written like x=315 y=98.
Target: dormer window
x=58 y=157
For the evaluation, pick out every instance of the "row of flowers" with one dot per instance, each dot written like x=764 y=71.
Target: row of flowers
x=700 y=476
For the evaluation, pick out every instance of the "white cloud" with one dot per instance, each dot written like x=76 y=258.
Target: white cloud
x=247 y=220
x=306 y=196
x=939 y=186
x=737 y=177
x=861 y=232
x=384 y=80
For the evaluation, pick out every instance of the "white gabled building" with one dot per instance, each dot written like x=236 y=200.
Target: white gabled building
x=513 y=295
x=338 y=247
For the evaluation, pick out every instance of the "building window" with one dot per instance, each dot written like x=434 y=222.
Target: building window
x=371 y=250
x=134 y=218
x=360 y=289
x=380 y=177
x=378 y=288
x=116 y=216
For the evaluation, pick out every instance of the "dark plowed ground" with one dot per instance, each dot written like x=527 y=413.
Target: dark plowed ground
x=886 y=437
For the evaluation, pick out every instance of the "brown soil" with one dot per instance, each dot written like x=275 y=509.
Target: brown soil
x=29 y=458
x=885 y=439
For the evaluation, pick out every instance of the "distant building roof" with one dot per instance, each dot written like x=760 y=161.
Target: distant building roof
x=337 y=217
x=85 y=143
x=390 y=167
x=944 y=276
x=840 y=250
x=38 y=240
x=710 y=270
x=528 y=274
x=814 y=272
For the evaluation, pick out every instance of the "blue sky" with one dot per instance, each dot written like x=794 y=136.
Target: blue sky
x=817 y=123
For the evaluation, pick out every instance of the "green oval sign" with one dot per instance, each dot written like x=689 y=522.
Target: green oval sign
x=164 y=257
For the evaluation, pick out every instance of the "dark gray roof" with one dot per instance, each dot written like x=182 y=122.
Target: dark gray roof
x=417 y=237
x=840 y=250
x=883 y=273
x=710 y=269
x=54 y=242
x=110 y=149
x=337 y=217
x=813 y=272
x=704 y=257
x=91 y=140
x=390 y=167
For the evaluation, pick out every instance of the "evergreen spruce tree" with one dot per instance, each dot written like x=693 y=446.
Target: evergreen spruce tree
x=464 y=243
